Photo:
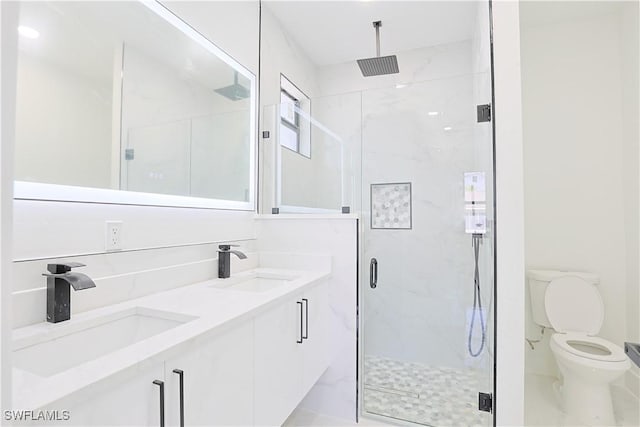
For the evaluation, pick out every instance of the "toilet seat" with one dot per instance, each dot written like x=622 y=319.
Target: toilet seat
x=582 y=343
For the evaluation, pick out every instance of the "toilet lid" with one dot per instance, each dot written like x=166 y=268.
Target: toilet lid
x=574 y=305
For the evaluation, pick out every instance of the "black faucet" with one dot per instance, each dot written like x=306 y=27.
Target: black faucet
x=224 y=260
x=59 y=279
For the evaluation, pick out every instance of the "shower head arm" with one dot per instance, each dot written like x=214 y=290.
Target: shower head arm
x=377 y=25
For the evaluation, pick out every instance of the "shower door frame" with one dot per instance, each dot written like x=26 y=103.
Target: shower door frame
x=360 y=411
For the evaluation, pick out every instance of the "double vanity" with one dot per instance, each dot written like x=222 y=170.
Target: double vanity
x=238 y=351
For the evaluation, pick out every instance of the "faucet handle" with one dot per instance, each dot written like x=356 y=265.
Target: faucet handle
x=227 y=247
x=60 y=268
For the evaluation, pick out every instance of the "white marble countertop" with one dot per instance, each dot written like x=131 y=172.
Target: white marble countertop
x=213 y=308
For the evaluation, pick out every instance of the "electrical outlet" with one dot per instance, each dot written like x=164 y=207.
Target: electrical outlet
x=113 y=236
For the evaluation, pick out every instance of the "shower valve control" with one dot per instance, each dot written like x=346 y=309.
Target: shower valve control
x=475 y=198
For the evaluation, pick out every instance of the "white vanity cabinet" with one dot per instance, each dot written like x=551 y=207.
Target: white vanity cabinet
x=278 y=362
x=217 y=380
x=127 y=399
x=315 y=348
x=252 y=372
x=217 y=375
x=291 y=353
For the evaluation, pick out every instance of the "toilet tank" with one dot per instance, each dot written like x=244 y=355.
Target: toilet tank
x=539 y=280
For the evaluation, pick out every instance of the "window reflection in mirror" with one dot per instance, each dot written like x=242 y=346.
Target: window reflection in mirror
x=110 y=95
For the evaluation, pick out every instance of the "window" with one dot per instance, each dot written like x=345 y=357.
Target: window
x=290 y=121
x=295 y=131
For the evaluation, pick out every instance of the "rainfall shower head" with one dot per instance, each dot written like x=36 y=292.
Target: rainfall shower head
x=378 y=65
x=234 y=92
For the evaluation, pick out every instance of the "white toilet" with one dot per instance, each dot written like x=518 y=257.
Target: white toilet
x=570 y=303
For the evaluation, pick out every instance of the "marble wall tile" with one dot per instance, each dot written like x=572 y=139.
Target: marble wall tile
x=335 y=393
x=419 y=310
x=119 y=277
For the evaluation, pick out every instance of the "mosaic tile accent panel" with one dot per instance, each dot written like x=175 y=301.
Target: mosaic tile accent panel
x=421 y=394
x=391 y=206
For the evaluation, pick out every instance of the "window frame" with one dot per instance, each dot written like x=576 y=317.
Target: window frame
x=295 y=127
x=296 y=117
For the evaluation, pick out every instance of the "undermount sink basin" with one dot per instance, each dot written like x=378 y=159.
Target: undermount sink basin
x=258 y=282
x=64 y=346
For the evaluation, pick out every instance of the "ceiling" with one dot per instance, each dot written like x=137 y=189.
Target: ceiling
x=332 y=32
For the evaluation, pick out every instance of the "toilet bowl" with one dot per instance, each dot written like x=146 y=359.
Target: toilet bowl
x=588 y=364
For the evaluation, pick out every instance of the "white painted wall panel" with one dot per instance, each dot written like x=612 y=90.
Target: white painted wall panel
x=335 y=393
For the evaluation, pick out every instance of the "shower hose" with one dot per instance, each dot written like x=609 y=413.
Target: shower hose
x=476 y=241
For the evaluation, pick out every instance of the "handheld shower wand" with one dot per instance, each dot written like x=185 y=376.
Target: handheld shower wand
x=476 y=241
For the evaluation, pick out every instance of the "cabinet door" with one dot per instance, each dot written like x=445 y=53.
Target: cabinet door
x=127 y=399
x=278 y=362
x=217 y=377
x=316 y=344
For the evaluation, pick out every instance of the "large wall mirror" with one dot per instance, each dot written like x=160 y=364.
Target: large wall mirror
x=122 y=102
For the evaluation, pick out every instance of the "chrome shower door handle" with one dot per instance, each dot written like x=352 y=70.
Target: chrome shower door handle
x=373 y=273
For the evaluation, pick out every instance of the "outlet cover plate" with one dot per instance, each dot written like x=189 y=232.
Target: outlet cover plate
x=113 y=236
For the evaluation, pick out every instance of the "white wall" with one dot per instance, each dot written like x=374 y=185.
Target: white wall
x=8 y=65
x=302 y=177
x=63 y=124
x=630 y=53
x=509 y=404
x=315 y=182
x=335 y=394
x=574 y=159
x=280 y=54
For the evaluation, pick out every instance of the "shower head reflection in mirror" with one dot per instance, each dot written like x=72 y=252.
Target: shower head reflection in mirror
x=128 y=116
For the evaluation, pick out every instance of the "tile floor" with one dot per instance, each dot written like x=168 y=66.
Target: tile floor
x=302 y=417
x=423 y=394
x=542 y=408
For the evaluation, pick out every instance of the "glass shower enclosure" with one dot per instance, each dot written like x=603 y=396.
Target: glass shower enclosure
x=428 y=240
x=427 y=245
x=413 y=156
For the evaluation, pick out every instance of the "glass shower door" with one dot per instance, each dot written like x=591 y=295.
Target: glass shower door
x=428 y=239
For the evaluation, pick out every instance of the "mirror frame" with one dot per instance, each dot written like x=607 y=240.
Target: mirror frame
x=24 y=190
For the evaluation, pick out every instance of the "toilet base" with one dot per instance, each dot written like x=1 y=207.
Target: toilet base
x=586 y=403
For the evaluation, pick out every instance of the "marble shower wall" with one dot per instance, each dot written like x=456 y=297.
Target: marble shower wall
x=300 y=237
x=418 y=312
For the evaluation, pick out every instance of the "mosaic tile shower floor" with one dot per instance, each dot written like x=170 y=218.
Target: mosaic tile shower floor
x=422 y=394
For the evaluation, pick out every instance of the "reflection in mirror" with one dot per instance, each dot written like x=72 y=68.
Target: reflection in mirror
x=109 y=106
